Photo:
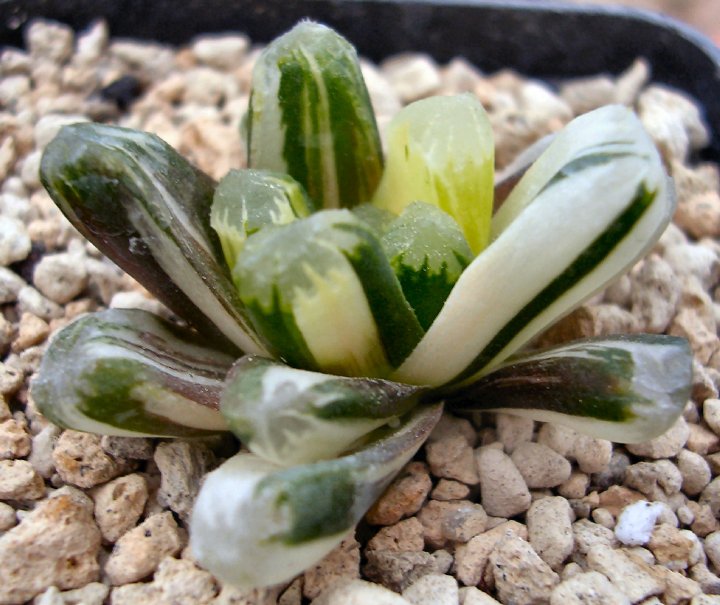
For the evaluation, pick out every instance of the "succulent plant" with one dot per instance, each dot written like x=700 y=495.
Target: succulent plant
x=357 y=292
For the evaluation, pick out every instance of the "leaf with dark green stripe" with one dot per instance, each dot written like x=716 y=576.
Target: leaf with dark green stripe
x=127 y=372
x=441 y=151
x=322 y=292
x=310 y=117
x=623 y=388
x=574 y=237
x=148 y=209
x=291 y=416
x=428 y=253
x=257 y=524
x=246 y=201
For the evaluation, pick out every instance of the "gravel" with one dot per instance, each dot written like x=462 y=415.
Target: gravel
x=494 y=509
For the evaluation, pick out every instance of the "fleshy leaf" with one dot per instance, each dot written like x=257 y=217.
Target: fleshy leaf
x=441 y=151
x=310 y=117
x=623 y=388
x=245 y=201
x=127 y=372
x=148 y=209
x=322 y=292
x=291 y=416
x=257 y=524
x=428 y=253
x=591 y=220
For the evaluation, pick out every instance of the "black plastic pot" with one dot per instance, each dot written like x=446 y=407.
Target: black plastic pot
x=543 y=39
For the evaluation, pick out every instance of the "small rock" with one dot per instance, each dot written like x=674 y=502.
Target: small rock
x=702 y=440
x=591 y=588
x=406 y=535
x=130 y=448
x=31 y=301
x=31 y=331
x=588 y=535
x=19 y=481
x=586 y=94
x=455 y=521
x=631 y=82
x=15 y=243
x=655 y=294
x=656 y=480
x=502 y=487
x=49 y=40
x=207 y=86
x=711 y=496
x=452 y=425
x=549 y=523
x=712 y=548
x=615 y=498
x=359 y=592
x=433 y=589
x=397 y=570
x=689 y=323
x=119 y=504
x=11 y=379
x=92 y=42
x=182 y=465
x=447 y=489
x=671 y=546
x=342 y=563
x=94 y=593
x=695 y=472
x=471 y=559
x=665 y=446
x=636 y=578
x=699 y=216
x=707 y=580
x=403 y=497
x=513 y=430
x=452 y=458
x=14 y=440
x=679 y=589
x=540 y=466
x=470 y=595
x=55 y=545
x=575 y=487
x=711 y=414
x=138 y=553
x=635 y=524
x=81 y=461
x=43 y=444
x=222 y=52
x=413 y=76
x=10 y=285
x=60 y=277
x=704 y=521
x=7 y=517
x=521 y=576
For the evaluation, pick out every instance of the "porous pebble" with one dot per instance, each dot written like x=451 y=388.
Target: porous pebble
x=549 y=523
x=502 y=487
x=119 y=504
x=81 y=461
x=590 y=588
x=138 y=552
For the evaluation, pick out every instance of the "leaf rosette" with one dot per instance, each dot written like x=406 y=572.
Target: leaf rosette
x=363 y=288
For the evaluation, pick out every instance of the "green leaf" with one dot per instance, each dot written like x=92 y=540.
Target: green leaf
x=623 y=388
x=148 y=209
x=428 y=253
x=588 y=223
x=257 y=524
x=322 y=292
x=246 y=201
x=129 y=373
x=291 y=416
x=441 y=151
x=310 y=117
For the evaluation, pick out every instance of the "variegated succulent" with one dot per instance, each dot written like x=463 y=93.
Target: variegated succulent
x=363 y=289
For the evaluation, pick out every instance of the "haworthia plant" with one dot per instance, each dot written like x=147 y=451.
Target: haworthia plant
x=310 y=116
x=129 y=373
x=271 y=521
x=357 y=317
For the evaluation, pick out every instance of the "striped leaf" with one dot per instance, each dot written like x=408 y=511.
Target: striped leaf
x=310 y=117
x=148 y=209
x=322 y=292
x=441 y=151
x=428 y=253
x=129 y=373
x=587 y=223
x=291 y=416
x=623 y=388
x=257 y=524
x=245 y=201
